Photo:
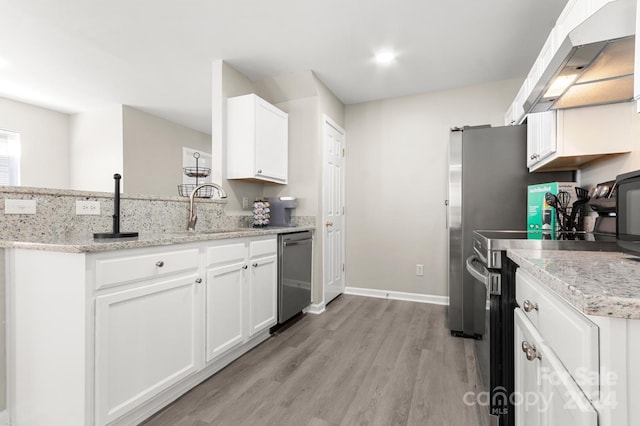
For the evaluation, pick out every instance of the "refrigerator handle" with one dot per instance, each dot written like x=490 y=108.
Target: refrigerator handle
x=446 y=214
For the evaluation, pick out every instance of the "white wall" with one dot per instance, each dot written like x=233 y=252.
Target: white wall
x=153 y=152
x=303 y=179
x=44 y=140
x=396 y=171
x=97 y=149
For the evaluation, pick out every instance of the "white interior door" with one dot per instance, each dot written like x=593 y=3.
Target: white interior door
x=333 y=209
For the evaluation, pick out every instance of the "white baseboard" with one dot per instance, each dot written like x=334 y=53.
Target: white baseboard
x=397 y=295
x=316 y=308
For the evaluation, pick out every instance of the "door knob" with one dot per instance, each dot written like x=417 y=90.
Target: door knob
x=329 y=223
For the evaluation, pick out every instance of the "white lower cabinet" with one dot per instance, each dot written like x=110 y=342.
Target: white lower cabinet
x=527 y=374
x=110 y=338
x=571 y=368
x=546 y=393
x=147 y=339
x=226 y=292
x=263 y=293
x=241 y=292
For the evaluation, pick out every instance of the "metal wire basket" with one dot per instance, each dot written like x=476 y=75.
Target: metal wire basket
x=197 y=171
x=186 y=189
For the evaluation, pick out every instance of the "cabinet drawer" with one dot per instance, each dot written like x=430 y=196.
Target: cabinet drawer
x=263 y=247
x=552 y=396
x=572 y=337
x=112 y=271
x=226 y=253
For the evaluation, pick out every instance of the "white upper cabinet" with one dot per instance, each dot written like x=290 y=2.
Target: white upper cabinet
x=567 y=139
x=257 y=140
x=515 y=114
x=541 y=137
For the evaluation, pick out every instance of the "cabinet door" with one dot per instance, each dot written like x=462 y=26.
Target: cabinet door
x=541 y=137
x=548 y=140
x=263 y=293
x=526 y=373
x=545 y=392
x=147 y=339
x=225 y=303
x=565 y=403
x=534 y=131
x=271 y=142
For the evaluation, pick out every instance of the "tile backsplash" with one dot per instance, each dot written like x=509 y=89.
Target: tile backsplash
x=56 y=214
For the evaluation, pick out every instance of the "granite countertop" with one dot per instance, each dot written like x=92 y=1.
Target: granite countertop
x=595 y=283
x=84 y=243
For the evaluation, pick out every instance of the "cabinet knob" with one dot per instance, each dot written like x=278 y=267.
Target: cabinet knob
x=159 y=263
x=244 y=266
x=329 y=223
x=198 y=280
x=259 y=171
x=530 y=351
x=255 y=265
x=529 y=306
x=532 y=157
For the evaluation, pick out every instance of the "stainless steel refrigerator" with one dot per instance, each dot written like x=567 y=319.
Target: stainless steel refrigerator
x=488 y=179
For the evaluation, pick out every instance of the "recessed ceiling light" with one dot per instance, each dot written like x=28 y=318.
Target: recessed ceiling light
x=385 y=57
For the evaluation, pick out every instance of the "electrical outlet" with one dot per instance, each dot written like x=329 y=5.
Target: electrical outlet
x=19 y=206
x=87 y=207
x=420 y=270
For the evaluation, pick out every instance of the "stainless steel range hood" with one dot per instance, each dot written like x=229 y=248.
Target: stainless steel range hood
x=593 y=65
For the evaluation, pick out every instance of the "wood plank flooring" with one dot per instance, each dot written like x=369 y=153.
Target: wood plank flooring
x=363 y=362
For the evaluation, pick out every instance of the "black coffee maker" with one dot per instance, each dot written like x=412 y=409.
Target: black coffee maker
x=281 y=208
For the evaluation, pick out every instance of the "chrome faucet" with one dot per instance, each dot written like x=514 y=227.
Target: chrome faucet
x=193 y=216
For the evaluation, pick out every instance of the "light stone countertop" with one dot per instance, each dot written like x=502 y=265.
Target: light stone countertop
x=85 y=243
x=595 y=283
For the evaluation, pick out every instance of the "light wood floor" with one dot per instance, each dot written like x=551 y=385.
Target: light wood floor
x=363 y=362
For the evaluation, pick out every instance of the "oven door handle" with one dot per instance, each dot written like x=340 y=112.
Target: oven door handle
x=483 y=259
x=491 y=281
x=480 y=275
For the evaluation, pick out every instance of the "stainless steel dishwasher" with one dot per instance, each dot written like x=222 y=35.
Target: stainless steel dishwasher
x=294 y=273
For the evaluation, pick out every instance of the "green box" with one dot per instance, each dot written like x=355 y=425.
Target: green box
x=540 y=216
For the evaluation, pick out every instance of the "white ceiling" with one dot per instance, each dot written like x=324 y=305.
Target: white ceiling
x=76 y=55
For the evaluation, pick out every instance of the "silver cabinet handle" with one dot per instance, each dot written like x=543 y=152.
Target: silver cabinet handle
x=529 y=306
x=159 y=263
x=530 y=351
x=532 y=157
x=244 y=266
x=255 y=265
x=259 y=171
x=198 y=280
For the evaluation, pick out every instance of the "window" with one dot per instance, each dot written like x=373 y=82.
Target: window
x=9 y=158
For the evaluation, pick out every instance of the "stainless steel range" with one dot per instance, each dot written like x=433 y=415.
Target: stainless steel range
x=489 y=265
